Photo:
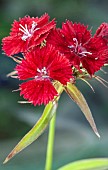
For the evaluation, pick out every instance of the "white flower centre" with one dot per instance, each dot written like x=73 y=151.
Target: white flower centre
x=27 y=33
x=42 y=74
x=79 y=49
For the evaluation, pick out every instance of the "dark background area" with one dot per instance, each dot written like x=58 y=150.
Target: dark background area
x=74 y=137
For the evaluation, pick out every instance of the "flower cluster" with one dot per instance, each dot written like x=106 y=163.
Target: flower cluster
x=51 y=55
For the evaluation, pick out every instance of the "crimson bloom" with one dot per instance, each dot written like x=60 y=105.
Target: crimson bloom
x=102 y=31
x=27 y=33
x=74 y=40
x=41 y=67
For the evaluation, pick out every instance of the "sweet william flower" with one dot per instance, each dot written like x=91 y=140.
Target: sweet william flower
x=27 y=33
x=74 y=40
x=102 y=31
x=40 y=68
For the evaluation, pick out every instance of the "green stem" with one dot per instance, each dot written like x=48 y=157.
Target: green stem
x=49 y=154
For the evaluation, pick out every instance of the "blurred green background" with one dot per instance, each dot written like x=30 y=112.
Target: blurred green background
x=74 y=138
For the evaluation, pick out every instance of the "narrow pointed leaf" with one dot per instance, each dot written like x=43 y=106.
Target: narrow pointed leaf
x=90 y=164
x=38 y=128
x=36 y=131
x=79 y=99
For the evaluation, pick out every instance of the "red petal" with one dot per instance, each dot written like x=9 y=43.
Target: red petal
x=38 y=92
x=44 y=19
x=13 y=45
x=76 y=30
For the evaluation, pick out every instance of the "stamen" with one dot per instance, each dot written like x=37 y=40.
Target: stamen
x=44 y=70
x=79 y=49
x=33 y=28
x=38 y=70
x=96 y=58
x=76 y=44
x=23 y=28
x=28 y=32
x=85 y=52
x=76 y=41
x=42 y=74
x=71 y=46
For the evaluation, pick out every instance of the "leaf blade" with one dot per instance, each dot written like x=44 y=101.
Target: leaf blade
x=87 y=164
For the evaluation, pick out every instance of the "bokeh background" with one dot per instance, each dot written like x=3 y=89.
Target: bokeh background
x=74 y=137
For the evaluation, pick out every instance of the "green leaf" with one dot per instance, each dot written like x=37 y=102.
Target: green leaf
x=87 y=164
x=36 y=131
x=79 y=99
x=39 y=127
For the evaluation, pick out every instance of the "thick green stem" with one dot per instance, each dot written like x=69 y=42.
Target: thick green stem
x=49 y=154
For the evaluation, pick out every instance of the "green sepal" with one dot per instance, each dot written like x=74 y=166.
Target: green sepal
x=79 y=99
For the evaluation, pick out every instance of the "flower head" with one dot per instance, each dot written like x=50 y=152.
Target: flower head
x=77 y=44
x=41 y=68
x=27 y=33
x=102 y=31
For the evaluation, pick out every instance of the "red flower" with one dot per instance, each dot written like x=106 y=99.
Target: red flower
x=102 y=31
x=27 y=33
x=76 y=43
x=41 y=67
